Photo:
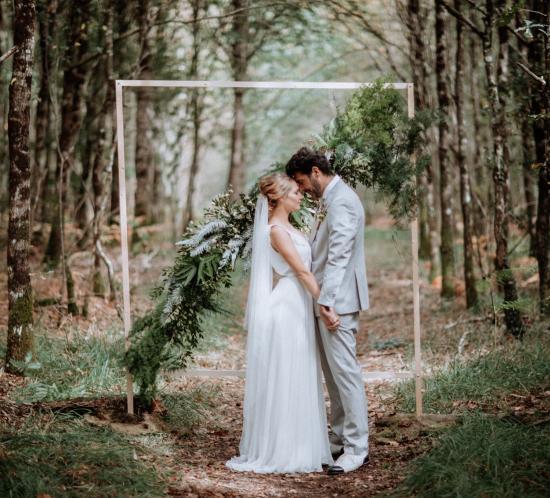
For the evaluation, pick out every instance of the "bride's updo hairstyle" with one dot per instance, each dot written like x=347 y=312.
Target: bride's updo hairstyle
x=275 y=186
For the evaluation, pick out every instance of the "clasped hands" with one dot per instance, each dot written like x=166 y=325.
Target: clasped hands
x=329 y=317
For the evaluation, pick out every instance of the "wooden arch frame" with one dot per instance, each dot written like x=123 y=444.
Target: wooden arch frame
x=267 y=85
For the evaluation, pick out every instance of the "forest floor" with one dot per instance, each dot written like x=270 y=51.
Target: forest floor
x=198 y=423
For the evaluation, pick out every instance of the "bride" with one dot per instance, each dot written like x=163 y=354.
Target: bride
x=284 y=426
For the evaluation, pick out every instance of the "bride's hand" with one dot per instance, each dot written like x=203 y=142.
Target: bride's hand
x=331 y=319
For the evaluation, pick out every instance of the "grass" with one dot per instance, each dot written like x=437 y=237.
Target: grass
x=63 y=456
x=188 y=409
x=484 y=457
x=80 y=365
x=517 y=367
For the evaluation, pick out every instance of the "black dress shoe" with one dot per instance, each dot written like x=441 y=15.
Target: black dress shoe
x=336 y=455
x=336 y=470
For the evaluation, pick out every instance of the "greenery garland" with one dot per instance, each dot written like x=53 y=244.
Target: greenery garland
x=370 y=143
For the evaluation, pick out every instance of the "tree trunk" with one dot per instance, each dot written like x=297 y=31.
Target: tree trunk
x=528 y=149
x=465 y=193
x=74 y=80
x=539 y=55
x=416 y=18
x=527 y=145
x=102 y=167
x=239 y=65
x=90 y=126
x=20 y=319
x=46 y=16
x=499 y=125
x=144 y=154
x=479 y=159
x=188 y=214
x=445 y=179
x=5 y=45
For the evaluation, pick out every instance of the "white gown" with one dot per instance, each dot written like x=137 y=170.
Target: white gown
x=287 y=427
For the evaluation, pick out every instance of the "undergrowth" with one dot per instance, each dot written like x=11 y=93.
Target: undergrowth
x=64 y=456
x=487 y=378
x=81 y=365
x=484 y=457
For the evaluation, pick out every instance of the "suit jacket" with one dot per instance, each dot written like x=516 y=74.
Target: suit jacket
x=338 y=256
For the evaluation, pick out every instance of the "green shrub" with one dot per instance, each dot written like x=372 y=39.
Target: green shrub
x=484 y=457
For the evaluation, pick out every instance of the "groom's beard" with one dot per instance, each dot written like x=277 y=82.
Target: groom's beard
x=316 y=190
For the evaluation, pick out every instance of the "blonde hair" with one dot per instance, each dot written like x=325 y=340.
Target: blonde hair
x=275 y=186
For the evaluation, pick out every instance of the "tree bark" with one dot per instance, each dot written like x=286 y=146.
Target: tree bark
x=90 y=137
x=188 y=213
x=479 y=159
x=529 y=184
x=539 y=55
x=144 y=154
x=465 y=193
x=20 y=319
x=445 y=179
x=102 y=166
x=416 y=17
x=46 y=16
x=74 y=80
x=239 y=66
x=499 y=125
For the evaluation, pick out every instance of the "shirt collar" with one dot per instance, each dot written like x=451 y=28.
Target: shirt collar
x=330 y=186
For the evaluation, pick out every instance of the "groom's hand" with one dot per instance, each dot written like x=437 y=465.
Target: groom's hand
x=330 y=317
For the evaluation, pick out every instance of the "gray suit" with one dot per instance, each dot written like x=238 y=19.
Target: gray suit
x=339 y=267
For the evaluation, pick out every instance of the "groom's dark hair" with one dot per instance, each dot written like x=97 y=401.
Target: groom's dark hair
x=304 y=160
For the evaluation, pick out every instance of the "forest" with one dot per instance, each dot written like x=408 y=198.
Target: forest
x=471 y=168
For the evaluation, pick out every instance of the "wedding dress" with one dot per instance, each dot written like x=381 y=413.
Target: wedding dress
x=284 y=422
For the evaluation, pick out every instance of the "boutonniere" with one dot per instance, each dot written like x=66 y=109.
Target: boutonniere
x=322 y=213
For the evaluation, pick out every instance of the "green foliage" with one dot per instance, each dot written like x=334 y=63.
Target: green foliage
x=371 y=140
x=69 y=458
x=82 y=365
x=484 y=457
x=519 y=367
x=187 y=410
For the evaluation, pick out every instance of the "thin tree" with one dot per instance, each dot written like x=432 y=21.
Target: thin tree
x=196 y=112
x=74 y=79
x=144 y=128
x=414 y=15
x=465 y=193
x=103 y=159
x=20 y=300
x=444 y=149
x=46 y=17
x=539 y=58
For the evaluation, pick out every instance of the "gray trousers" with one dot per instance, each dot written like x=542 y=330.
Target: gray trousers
x=344 y=380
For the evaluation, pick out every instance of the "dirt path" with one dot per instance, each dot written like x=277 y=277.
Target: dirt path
x=201 y=456
x=384 y=343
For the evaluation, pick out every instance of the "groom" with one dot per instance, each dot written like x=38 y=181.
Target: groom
x=339 y=266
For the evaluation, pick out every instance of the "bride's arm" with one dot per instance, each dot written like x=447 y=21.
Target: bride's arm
x=282 y=243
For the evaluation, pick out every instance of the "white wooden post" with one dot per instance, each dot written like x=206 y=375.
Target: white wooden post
x=124 y=236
